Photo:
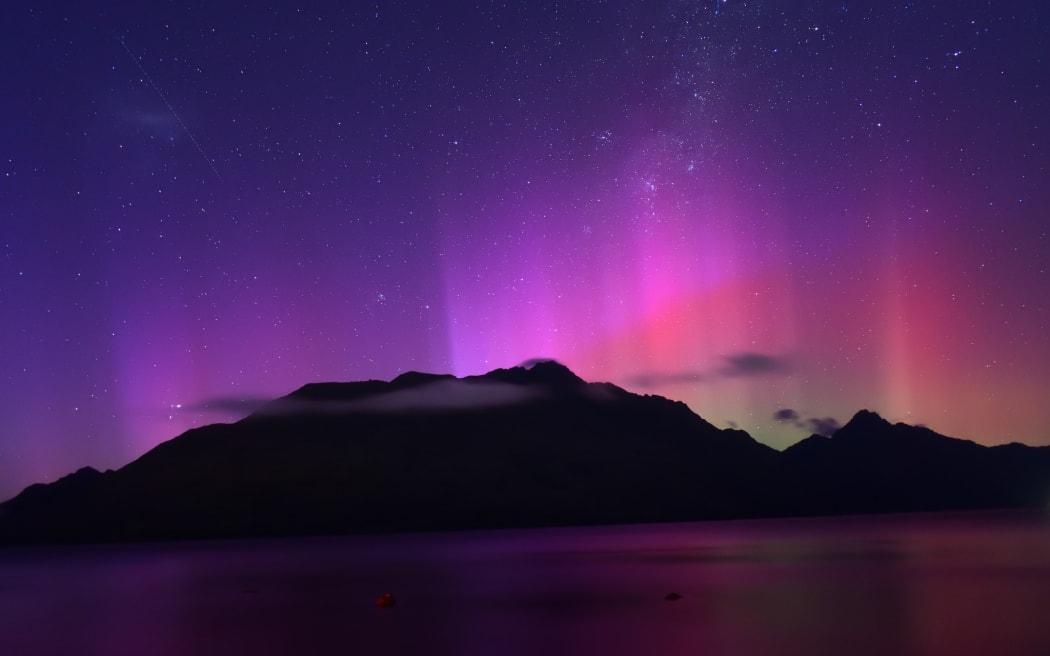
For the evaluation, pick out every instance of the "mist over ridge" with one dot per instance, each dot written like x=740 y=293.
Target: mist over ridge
x=515 y=447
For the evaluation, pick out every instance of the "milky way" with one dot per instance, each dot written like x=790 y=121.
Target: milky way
x=779 y=213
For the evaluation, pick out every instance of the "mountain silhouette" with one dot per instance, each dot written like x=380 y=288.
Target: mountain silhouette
x=534 y=446
x=871 y=465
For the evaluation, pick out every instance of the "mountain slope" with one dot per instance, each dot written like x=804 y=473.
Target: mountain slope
x=871 y=465
x=514 y=447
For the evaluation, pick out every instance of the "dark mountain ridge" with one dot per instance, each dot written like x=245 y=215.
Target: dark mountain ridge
x=516 y=447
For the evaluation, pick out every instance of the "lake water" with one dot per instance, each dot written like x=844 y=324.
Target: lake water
x=886 y=586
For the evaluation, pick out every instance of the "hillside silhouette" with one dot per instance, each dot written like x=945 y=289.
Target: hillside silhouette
x=516 y=447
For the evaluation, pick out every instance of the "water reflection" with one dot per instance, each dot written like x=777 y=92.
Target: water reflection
x=886 y=585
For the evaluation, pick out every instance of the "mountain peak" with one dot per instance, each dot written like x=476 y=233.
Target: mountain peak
x=537 y=372
x=864 y=422
x=533 y=445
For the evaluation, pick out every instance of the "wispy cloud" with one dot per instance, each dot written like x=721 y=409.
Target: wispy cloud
x=658 y=379
x=734 y=365
x=753 y=364
x=228 y=405
x=823 y=426
x=451 y=395
x=820 y=425
x=442 y=395
x=532 y=362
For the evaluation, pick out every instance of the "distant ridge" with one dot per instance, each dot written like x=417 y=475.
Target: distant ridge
x=871 y=465
x=525 y=446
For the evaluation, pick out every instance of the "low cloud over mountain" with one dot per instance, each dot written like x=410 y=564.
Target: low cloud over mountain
x=818 y=425
x=734 y=365
x=512 y=448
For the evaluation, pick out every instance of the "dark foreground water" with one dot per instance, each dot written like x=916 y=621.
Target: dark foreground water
x=902 y=585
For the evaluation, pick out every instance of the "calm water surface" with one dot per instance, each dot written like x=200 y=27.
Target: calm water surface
x=901 y=585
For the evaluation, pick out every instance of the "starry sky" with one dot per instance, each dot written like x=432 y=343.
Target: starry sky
x=778 y=212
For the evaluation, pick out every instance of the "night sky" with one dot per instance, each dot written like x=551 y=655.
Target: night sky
x=778 y=212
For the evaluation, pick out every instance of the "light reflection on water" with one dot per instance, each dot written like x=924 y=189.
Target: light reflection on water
x=903 y=585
